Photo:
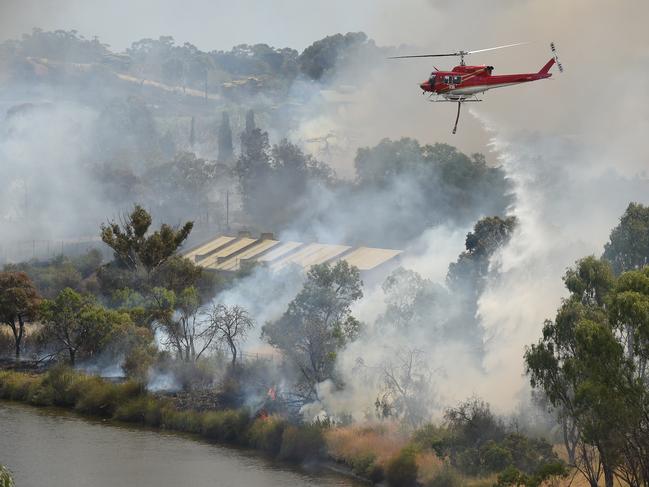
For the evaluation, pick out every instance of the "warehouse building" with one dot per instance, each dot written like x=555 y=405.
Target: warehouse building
x=230 y=254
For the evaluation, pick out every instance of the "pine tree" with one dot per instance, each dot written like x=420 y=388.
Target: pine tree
x=226 y=149
x=192 y=135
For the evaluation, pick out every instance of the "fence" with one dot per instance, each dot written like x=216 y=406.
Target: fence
x=19 y=251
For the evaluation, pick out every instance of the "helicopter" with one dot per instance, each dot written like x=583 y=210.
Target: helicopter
x=463 y=83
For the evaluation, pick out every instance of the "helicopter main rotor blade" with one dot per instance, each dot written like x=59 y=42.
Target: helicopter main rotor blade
x=425 y=55
x=458 y=53
x=497 y=47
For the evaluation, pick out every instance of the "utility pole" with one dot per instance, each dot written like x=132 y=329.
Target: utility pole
x=227 y=209
x=206 y=86
x=192 y=135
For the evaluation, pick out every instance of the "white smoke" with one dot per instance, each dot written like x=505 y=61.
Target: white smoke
x=574 y=148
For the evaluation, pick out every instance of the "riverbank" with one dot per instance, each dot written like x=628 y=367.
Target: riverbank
x=379 y=453
x=60 y=448
x=129 y=402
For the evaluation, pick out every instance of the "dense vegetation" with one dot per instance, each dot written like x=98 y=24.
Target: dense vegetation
x=592 y=360
x=471 y=433
x=213 y=161
x=159 y=317
x=271 y=69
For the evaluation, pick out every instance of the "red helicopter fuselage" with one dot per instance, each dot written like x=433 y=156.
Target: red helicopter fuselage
x=466 y=81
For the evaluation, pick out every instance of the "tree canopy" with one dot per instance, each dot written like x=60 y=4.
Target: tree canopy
x=134 y=249
x=318 y=323
x=628 y=247
x=19 y=302
x=591 y=363
x=79 y=325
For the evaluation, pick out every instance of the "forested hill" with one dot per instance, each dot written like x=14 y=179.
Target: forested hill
x=217 y=138
x=244 y=70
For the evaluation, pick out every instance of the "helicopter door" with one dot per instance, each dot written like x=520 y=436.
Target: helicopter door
x=431 y=81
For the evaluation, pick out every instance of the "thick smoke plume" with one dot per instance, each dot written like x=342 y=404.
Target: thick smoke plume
x=574 y=151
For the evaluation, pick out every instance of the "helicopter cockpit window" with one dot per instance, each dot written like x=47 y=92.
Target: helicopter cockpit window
x=447 y=79
x=431 y=80
x=457 y=79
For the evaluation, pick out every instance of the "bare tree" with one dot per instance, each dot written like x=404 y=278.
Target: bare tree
x=407 y=387
x=187 y=327
x=230 y=325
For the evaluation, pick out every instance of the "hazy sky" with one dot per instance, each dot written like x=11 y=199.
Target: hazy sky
x=593 y=36
x=209 y=24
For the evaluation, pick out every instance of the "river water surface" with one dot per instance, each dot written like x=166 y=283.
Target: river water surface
x=55 y=448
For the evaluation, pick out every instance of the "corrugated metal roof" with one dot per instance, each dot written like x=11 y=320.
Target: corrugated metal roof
x=239 y=244
x=279 y=251
x=226 y=254
x=208 y=247
x=367 y=258
x=311 y=254
x=233 y=263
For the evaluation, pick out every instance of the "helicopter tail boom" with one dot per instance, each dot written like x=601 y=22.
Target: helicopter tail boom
x=546 y=69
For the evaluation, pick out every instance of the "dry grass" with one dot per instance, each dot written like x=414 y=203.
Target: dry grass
x=575 y=479
x=383 y=441
x=429 y=466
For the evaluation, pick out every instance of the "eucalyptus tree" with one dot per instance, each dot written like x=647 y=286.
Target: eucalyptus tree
x=19 y=302
x=317 y=324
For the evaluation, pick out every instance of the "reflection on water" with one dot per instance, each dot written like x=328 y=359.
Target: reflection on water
x=47 y=447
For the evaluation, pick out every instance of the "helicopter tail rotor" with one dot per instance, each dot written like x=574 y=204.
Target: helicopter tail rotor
x=556 y=57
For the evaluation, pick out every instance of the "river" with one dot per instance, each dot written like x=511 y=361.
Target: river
x=55 y=448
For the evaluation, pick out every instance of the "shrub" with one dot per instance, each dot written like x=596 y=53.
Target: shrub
x=40 y=394
x=468 y=461
x=103 y=398
x=432 y=437
x=429 y=465
x=96 y=397
x=142 y=409
x=132 y=411
x=495 y=457
x=528 y=454
x=139 y=360
x=5 y=477
x=15 y=386
x=447 y=477
x=302 y=443
x=229 y=425
x=266 y=434
x=62 y=381
x=512 y=477
x=365 y=449
x=401 y=470
x=187 y=421
x=365 y=466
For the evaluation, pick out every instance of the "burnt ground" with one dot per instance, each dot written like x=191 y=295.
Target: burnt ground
x=193 y=400
x=33 y=366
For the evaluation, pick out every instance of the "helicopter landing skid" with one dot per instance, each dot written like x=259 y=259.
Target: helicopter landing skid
x=459 y=106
